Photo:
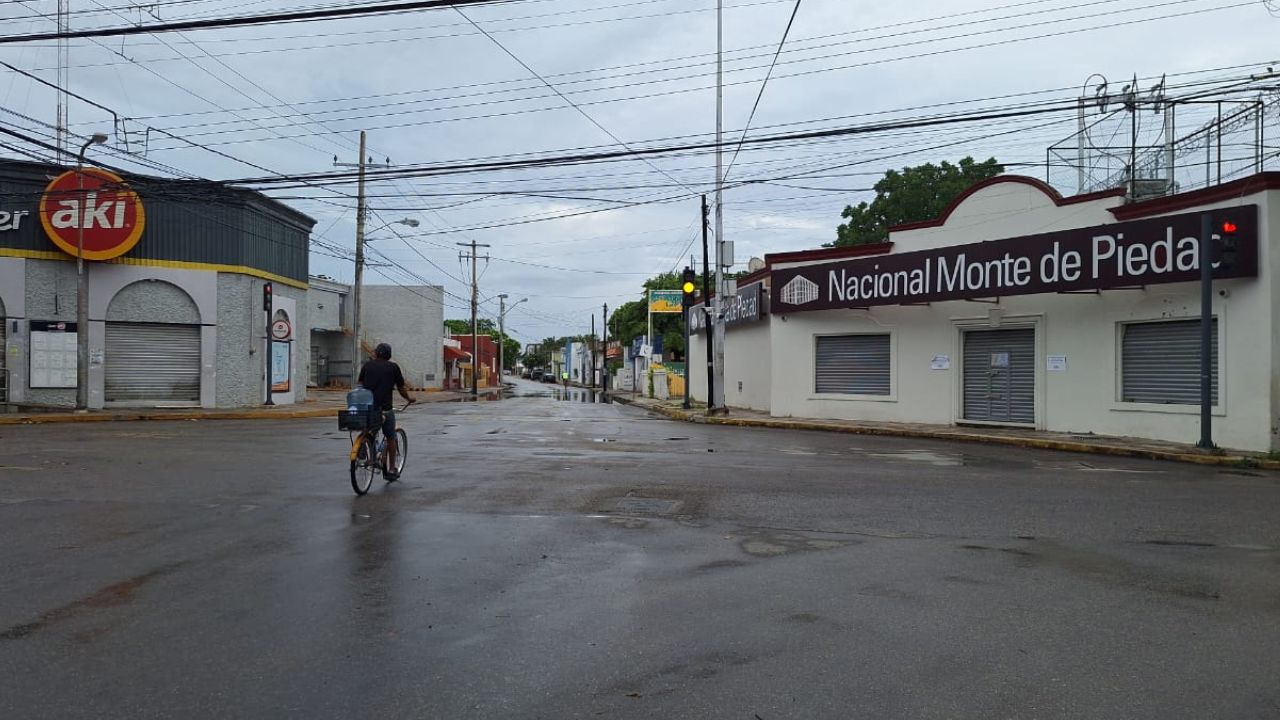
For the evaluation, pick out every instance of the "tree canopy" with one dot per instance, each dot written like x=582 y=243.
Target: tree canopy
x=911 y=195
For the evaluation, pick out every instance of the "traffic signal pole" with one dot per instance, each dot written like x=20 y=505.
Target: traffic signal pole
x=1206 y=332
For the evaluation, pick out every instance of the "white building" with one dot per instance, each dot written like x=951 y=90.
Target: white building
x=1020 y=307
x=409 y=318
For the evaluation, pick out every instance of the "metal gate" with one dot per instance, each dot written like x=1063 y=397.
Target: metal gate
x=1000 y=375
x=4 y=367
x=152 y=363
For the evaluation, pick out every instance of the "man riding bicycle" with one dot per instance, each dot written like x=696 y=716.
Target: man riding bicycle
x=379 y=376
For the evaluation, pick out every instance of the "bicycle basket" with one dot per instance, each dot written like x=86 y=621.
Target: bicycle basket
x=360 y=419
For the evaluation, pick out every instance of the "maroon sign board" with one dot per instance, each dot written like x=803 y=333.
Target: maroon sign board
x=1129 y=254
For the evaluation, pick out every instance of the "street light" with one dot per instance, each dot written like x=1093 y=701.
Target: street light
x=502 y=331
x=82 y=284
x=355 y=291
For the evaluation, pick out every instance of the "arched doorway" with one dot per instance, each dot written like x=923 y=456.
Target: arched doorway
x=152 y=346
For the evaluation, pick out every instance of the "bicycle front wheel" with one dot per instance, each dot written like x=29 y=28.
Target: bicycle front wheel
x=365 y=466
x=402 y=451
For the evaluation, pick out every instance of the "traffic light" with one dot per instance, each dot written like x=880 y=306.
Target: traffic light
x=266 y=297
x=1226 y=251
x=688 y=284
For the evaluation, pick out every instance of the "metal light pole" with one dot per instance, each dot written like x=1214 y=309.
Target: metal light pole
x=357 y=287
x=82 y=284
x=502 y=330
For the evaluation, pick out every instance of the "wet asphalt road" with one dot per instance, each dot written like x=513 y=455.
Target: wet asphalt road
x=545 y=557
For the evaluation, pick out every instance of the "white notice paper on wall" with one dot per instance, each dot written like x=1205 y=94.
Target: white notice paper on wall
x=1056 y=363
x=940 y=362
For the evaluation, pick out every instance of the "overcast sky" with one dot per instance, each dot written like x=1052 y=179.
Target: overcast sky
x=431 y=88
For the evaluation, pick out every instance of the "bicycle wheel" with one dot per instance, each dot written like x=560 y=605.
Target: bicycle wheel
x=402 y=450
x=364 y=466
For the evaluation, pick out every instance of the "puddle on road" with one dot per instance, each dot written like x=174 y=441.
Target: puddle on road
x=922 y=456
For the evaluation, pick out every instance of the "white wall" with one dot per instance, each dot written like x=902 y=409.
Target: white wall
x=747 y=366
x=13 y=299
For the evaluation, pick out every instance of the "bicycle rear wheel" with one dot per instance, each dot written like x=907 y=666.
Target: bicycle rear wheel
x=402 y=451
x=365 y=466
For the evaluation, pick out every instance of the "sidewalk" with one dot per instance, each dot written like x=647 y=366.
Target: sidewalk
x=320 y=403
x=1017 y=437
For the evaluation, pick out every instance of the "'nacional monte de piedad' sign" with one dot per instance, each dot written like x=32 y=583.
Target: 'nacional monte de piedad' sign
x=100 y=208
x=1130 y=254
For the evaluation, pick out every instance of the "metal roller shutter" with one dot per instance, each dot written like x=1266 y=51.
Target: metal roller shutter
x=4 y=368
x=1160 y=362
x=853 y=365
x=1000 y=375
x=152 y=362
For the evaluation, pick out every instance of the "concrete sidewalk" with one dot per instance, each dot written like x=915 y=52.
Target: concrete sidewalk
x=1018 y=437
x=320 y=403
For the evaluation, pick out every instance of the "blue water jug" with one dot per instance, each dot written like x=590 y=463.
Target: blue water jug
x=359 y=399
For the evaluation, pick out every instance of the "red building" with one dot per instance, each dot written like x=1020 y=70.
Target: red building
x=488 y=361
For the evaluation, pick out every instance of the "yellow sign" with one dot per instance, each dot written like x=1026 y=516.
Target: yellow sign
x=666 y=301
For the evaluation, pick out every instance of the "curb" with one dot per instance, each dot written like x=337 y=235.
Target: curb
x=138 y=416
x=1027 y=442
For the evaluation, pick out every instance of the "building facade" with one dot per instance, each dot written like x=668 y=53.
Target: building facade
x=1020 y=307
x=176 y=300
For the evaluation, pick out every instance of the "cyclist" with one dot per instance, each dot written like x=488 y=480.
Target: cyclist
x=380 y=376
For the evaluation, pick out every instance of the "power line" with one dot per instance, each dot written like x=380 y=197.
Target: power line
x=765 y=83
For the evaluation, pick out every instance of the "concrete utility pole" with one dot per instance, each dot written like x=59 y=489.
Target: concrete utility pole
x=359 y=280
x=82 y=283
x=474 y=257
x=361 y=218
x=715 y=394
x=502 y=331
x=706 y=304
x=604 y=365
x=591 y=382
x=64 y=62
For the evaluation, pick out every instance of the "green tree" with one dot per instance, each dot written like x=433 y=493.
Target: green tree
x=484 y=326
x=916 y=193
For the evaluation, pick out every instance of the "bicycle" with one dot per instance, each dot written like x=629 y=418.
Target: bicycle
x=368 y=456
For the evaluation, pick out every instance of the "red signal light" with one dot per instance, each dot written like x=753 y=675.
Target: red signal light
x=1229 y=227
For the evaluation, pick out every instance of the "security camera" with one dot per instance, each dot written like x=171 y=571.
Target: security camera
x=1224 y=293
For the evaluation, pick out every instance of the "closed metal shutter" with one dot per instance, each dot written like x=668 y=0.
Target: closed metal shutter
x=1000 y=375
x=152 y=362
x=853 y=364
x=1160 y=362
x=4 y=368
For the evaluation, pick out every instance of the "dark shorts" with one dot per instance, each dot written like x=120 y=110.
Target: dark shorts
x=389 y=423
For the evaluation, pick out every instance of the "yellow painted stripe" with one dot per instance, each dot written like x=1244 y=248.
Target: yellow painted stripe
x=145 y=262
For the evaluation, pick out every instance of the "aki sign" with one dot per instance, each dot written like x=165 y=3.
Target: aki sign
x=1120 y=255
x=107 y=213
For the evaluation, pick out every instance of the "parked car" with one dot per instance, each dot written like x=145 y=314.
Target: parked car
x=536 y=375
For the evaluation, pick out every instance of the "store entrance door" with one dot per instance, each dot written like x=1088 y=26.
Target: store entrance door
x=1000 y=375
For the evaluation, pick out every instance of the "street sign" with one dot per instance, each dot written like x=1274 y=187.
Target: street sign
x=666 y=301
x=95 y=205
x=281 y=330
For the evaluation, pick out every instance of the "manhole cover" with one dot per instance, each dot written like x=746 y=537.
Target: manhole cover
x=646 y=506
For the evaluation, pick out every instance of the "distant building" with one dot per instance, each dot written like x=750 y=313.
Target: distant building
x=408 y=318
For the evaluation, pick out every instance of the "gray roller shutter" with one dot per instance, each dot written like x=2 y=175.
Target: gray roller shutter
x=4 y=368
x=1000 y=375
x=852 y=365
x=152 y=363
x=1160 y=362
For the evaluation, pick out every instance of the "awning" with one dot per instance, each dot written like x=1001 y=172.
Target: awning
x=452 y=353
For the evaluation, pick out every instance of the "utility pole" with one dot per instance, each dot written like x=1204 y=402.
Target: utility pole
x=359 y=278
x=706 y=304
x=591 y=382
x=604 y=364
x=64 y=61
x=474 y=257
x=715 y=395
x=502 y=337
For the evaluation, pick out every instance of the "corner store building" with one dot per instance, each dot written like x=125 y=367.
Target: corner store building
x=178 y=319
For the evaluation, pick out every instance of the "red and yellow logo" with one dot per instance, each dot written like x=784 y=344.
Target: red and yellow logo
x=97 y=206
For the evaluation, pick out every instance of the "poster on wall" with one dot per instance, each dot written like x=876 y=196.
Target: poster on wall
x=53 y=355
x=280 y=362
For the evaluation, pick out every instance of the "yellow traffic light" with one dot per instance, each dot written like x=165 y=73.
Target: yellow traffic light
x=688 y=288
